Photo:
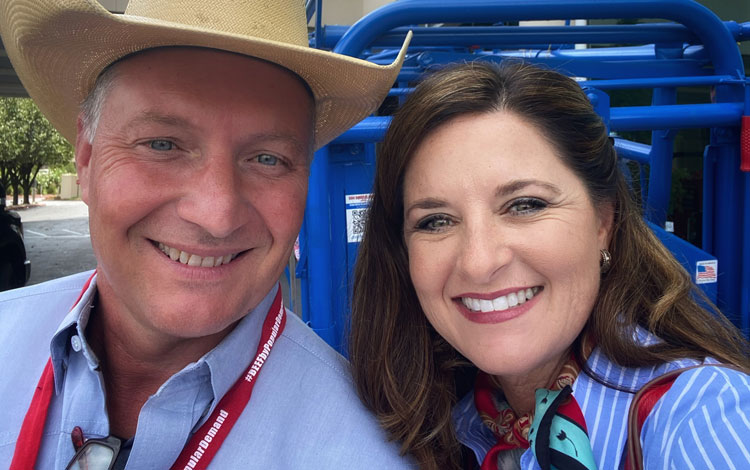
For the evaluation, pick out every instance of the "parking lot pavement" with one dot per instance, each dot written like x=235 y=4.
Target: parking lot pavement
x=56 y=234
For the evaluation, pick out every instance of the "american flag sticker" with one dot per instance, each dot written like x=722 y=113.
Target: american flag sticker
x=706 y=271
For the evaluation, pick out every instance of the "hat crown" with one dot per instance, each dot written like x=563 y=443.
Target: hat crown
x=274 y=20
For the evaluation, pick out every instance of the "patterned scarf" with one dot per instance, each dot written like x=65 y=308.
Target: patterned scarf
x=559 y=442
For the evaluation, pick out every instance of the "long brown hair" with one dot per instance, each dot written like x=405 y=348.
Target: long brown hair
x=404 y=371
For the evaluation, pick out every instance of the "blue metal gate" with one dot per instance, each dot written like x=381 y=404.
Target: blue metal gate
x=694 y=49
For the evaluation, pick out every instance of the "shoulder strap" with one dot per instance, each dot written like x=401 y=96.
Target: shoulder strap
x=641 y=406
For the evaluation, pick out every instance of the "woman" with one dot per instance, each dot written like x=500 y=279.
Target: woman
x=504 y=259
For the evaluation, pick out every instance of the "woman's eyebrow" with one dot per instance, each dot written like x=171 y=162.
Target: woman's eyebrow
x=517 y=185
x=426 y=203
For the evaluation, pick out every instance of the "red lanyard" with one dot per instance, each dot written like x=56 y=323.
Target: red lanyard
x=204 y=444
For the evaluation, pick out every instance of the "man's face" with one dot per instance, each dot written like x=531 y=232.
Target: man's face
x=196 y=182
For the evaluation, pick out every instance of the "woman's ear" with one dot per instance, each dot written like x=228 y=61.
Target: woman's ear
x=606 y=216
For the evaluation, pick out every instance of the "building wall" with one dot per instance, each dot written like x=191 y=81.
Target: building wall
x=117 y=6
x=348 y=11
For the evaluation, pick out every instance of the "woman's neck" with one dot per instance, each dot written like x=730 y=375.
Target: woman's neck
x=519 y=390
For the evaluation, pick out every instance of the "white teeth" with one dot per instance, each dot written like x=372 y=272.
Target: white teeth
x=195 y=260
x=501 y=303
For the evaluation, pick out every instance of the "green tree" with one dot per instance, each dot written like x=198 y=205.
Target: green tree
x=27 y=143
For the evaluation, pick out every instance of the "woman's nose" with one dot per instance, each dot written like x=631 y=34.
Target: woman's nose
x=483 y=253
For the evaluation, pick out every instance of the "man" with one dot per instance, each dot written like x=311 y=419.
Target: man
x=194 y=124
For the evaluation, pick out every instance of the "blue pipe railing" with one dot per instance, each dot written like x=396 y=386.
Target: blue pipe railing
x=631 y=83
x=624 y=118
x=674 y=55
x=697 y=18
x=499 y=36
x=635 y=151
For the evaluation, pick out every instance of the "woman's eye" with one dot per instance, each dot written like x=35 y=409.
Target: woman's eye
x=434 y=223
x=161 y=145
x=266 y=159
x=526 y=206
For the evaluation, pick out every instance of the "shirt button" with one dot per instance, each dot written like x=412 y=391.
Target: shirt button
x=75 y=342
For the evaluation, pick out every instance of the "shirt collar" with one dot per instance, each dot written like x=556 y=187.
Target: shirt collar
x=72 y=325
x=226 y=362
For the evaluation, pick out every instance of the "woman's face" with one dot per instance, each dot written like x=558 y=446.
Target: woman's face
x=503 y=242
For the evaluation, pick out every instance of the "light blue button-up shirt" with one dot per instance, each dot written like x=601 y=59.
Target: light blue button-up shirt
x=304 y=412
x=702 y=421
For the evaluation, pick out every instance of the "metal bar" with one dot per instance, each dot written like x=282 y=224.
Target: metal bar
x=709 y=181
x=744 y=323
x=400 y=91
x=679 y=116
x=630 y=83
x=660 y=170
x=318 y=246
x=626 y=118
x=592 y=67
x=635 y=151
x=512 y=35
x=370 y=129
x=697 y=18
x=727 y=224
x=309 y=9
x=491 y=36
x=745 y=247
x=319 y=30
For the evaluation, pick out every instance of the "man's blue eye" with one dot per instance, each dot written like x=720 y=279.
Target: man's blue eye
x=161 y=145
x=266 y=159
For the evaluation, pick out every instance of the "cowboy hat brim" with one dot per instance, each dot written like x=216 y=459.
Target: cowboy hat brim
x=58 y=48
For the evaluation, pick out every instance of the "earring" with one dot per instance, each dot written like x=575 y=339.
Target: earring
x=605 y=261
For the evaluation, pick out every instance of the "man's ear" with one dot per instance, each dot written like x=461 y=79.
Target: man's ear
x=606 y=215
x=83 y=159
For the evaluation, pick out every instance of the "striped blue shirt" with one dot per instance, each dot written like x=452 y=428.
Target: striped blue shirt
x=702 y=422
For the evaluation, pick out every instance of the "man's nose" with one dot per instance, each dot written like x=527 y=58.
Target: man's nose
x=214 y=199
x=483 y=253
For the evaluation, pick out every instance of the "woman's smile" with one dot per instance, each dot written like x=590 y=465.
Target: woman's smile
x=481 y=303
x=499 y=308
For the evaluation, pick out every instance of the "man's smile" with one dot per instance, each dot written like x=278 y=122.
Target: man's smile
x=192 y=259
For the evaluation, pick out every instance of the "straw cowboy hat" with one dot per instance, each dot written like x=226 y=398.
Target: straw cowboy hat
x=59 y=47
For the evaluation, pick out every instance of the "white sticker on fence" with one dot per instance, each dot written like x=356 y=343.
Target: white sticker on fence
x=706 y=272
x=356 y=215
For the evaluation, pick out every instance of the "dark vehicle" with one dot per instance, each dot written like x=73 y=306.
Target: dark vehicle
x=14 y=267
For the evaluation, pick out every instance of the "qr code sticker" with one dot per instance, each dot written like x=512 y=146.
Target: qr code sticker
x=355 y=224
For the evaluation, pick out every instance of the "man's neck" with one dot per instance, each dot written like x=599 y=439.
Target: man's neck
x=134 y=365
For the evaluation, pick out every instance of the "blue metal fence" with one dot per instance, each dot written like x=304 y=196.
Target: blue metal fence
x=694 y=49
